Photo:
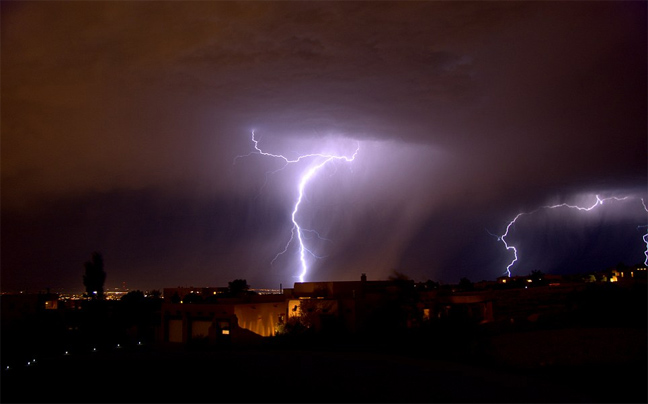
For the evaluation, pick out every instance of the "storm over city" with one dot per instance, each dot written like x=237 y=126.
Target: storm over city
x=193 y=143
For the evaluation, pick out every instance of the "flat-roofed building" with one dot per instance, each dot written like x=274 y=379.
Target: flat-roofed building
x=222 y=320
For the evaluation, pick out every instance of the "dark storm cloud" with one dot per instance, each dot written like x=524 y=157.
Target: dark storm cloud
x=466 y=112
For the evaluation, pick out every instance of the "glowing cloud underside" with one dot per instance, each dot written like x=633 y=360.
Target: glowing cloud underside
x=318 y=161
x=599 y=201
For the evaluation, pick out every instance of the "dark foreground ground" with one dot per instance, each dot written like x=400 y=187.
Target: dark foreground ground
x=580 y=365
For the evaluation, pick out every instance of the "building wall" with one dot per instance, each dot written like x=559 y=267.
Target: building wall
x=174 y=327
x=182 y=323
x=200 y=328
x=261 y=318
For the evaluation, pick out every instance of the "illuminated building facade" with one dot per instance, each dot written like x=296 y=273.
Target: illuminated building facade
x=221 y=320
x=339 y=306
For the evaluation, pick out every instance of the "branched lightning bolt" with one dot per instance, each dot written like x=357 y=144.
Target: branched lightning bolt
x=599 y=201
x=297 y=231
x=645 y=236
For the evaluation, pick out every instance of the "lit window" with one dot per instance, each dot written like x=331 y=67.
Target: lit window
x=225 y=332
x=51 y=305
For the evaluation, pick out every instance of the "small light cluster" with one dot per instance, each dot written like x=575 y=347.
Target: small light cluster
x=32 y=362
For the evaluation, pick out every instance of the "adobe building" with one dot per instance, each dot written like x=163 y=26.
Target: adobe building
x=349 y=306
x=472 y=306
x=26 y=305
x=221 y=320
x=195 y=314
x=627 y=275
x=383 y=306
x=201 y=314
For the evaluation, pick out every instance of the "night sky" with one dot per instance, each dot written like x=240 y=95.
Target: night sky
x=122 y=123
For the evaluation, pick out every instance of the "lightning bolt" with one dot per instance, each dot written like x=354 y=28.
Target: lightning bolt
x=645 y=236
x=297 y=232
x=599 y=201
x=645 y=239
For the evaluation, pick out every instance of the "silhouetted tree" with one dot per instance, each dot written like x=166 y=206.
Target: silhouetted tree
x=134 y=296
x=137 y=316
x=538 y=278
x=238 y=287
x=398 y=276
x=536 y=274
x=94 y=276
x=399 y=307
x=155 y=294
x=175 y=298
x=465 y=284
